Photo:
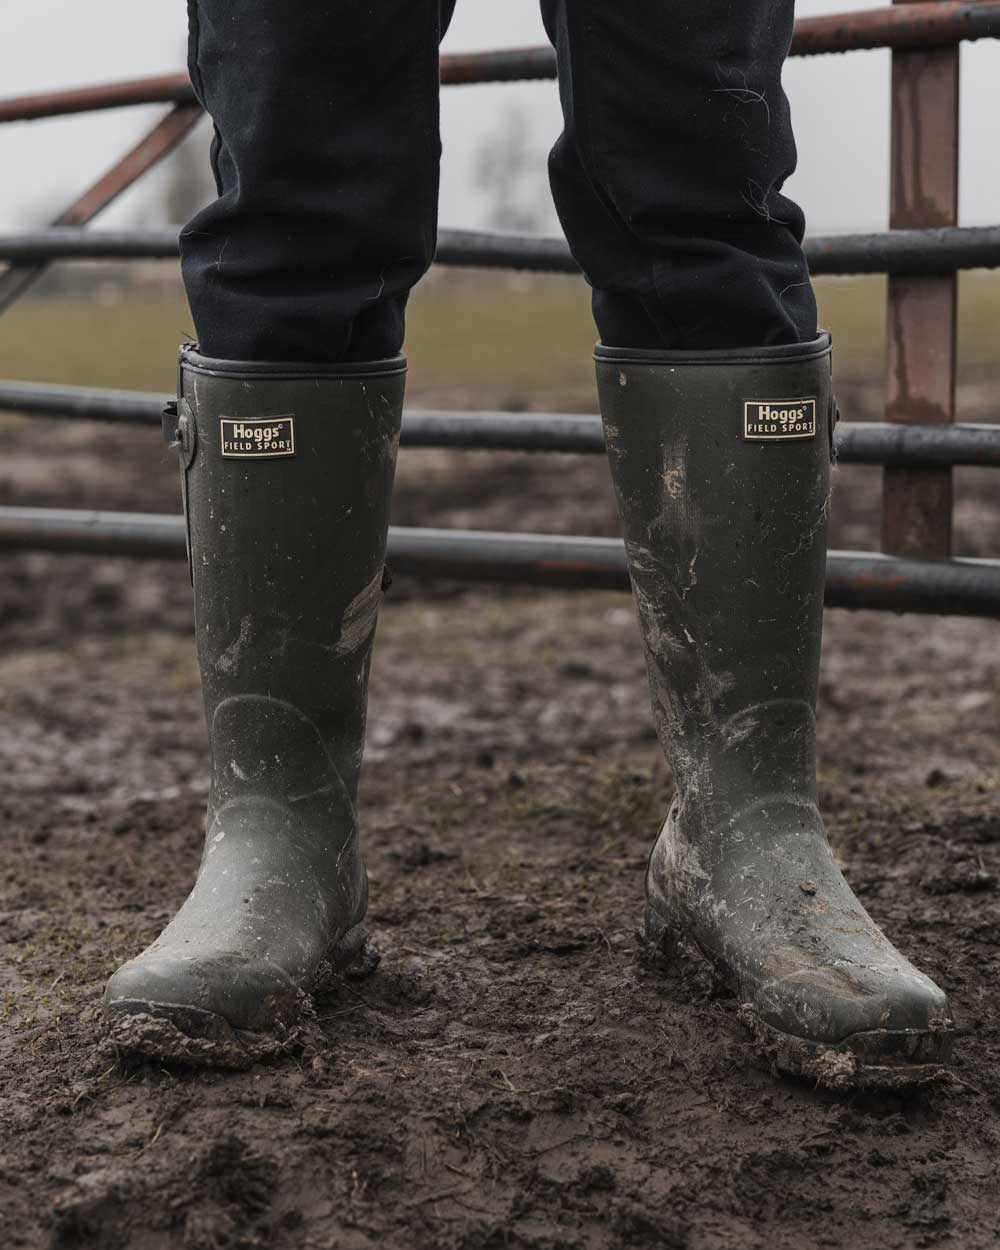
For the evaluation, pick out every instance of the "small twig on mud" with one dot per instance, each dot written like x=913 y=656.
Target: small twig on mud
x=442 y=1193
x=458 y=1172
x=507 y=1082
x=952 y=1079
x=153 y=1140
x=813 y=1137
x=674 y=1056
x=334 y=1014
x=360 y=997
x=490 y=1149
x=88 y=1089
x=607 y=943
x=468 y=1206
x=568 y=1142
x=702 y=1102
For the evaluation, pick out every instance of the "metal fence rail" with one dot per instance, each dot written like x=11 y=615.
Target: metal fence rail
x=917 y=445
x=876 y=442
x=928 y=25
x=906 y=252
x=854 y=579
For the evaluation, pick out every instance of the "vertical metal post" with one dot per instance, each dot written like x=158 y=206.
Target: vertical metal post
x=921 y=327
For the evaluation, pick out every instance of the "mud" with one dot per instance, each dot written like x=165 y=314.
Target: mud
x=514 y=1073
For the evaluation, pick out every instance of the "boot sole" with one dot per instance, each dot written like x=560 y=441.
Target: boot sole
x=180 y=1033
x=883 y=1059
x=878 y=1059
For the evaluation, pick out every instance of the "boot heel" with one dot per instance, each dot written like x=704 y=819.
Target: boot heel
x=660 y=939
x=355 y=955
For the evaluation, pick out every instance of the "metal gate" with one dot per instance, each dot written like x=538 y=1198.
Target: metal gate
x=917 y=444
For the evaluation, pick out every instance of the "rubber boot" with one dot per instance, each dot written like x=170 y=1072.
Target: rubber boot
x=721 y=465
x=287 y=475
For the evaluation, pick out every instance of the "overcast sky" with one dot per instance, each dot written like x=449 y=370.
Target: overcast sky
x=840 y=107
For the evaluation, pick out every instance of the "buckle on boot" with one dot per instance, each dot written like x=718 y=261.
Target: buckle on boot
x=168 y=423
x=832 y=420
x=179 y=429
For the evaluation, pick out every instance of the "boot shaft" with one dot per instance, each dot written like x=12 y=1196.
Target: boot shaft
x=287 y=478
x=721 y=465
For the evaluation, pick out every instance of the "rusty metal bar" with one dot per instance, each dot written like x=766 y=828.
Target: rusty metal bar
x=854 y=442
x=461 y=69
x=922 y=310
x=161 y=89
x=854 y=579
x=457 y=69
x=926 y=25
x=149 y=151
x=910 y=252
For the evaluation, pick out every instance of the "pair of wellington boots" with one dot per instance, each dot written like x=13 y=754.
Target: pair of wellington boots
x=721 y=464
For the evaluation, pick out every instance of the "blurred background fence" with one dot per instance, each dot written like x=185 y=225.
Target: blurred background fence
x=917 y=441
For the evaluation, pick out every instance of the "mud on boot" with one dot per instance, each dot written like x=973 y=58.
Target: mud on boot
x=721 y=465
x=287 y=473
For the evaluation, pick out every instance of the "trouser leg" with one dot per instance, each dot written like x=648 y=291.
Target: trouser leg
x=326 y=157
x=668 y=175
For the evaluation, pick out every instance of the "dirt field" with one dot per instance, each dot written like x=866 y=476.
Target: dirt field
x=513 y=1075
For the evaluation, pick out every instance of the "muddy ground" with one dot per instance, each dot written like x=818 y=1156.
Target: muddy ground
x=513 y=1075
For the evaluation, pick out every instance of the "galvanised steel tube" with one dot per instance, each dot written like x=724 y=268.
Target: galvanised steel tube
x=854 y=579
x=42 y=399
x=79 y=243
x=917 y=446
x=911 y=252
x=502 y=431
x=863 y=579
x=911 y=446
x=483 y=249
x=916 y=26
x=905 y=252
x=144 y=534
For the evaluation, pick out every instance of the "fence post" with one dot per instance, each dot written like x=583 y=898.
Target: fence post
x=921 y=321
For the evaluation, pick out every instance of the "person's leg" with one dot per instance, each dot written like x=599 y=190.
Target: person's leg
x=668 y=175
x=326 y=158
x=286 y=424
x=718 y=412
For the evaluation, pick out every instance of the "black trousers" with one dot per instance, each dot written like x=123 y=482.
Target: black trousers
x=667 y=177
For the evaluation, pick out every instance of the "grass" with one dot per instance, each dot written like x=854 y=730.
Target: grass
x=519 y=340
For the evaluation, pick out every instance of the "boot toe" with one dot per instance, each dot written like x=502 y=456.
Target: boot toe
x=201 y=997
x=883 y=1018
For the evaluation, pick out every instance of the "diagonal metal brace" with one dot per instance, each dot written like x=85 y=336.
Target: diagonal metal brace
x=149 y=151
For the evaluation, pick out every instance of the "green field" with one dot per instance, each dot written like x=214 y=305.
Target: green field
x=523 y=340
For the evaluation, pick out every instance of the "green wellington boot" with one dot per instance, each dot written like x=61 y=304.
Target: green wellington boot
x=287 y=473
x=721 y=464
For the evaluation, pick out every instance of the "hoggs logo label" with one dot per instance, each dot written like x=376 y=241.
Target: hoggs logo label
x=779 y=418
x=257 y=436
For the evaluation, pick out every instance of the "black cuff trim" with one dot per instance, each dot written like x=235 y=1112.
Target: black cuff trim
x=286 y=371
x=780 y=354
